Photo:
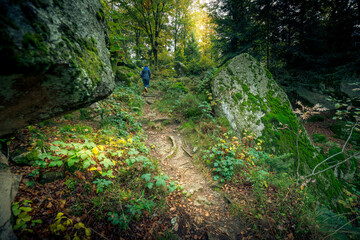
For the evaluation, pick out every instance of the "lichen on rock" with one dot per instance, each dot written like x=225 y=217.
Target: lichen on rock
x=54 y=59
x=251 y=100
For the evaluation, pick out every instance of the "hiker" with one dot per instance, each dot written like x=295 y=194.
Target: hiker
x=146 y=75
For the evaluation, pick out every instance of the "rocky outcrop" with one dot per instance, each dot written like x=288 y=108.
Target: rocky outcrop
x=251 y=100
x=126 y=76
x=54 y=59
x=180 y=69
x=9 y=184
x=315 y=97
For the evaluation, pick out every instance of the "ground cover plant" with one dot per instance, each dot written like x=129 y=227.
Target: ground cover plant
x=262 y=188
x=83 y=178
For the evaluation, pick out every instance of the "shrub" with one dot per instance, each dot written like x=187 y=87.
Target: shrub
x=319 y=138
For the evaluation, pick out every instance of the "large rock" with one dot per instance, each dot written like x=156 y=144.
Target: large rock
x=180 y=68
x=251 y=100
x=9 y=184
x=315 y=97
x=54 y=59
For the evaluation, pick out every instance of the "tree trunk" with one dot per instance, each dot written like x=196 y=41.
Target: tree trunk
x=137 y=43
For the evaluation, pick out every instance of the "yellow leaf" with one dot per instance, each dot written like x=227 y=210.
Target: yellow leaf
x=87 y=232
x=95 y=150
x=101 y=147
x=93 y=169
x=79 y=225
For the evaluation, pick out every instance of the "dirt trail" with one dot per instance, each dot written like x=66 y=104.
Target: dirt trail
x=205 y=210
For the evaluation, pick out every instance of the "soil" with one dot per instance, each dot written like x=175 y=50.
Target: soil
x=202 y=213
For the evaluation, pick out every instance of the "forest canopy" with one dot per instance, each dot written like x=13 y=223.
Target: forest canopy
x=308 y=41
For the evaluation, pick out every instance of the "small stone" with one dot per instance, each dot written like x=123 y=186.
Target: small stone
x=48 y=177
x=27 y=158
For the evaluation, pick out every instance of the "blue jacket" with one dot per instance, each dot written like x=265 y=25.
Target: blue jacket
x=146 y=73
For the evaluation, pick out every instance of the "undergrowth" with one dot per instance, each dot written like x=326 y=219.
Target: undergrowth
x=105 y=180
x=261 y=187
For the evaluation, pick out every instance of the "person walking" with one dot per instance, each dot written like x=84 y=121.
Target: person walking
x=146 y=75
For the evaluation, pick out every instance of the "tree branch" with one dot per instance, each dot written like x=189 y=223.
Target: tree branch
x=342 y=151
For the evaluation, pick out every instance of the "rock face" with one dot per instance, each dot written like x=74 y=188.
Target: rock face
x=180 y=69
x=314 y=97
x=54 y=59
x=251 y=100
x=9 y=184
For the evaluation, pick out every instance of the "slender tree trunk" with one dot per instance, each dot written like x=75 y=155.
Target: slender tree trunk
x=137 y=43
x=267 y=45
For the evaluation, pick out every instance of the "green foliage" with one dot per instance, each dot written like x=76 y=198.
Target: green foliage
x=122 y=220
x=21 y=212
x=101 y=184
x=342 y=131
x=222 y=157
x=133 y=210
x=319 y=138
x=77 y=129
x=62 y=224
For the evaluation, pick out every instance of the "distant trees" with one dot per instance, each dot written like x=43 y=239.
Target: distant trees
x=151 y=16
x=160 y=31
x=314 y=37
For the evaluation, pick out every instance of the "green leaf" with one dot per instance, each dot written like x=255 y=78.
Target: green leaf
x=107 y=162
x=24 y=217
x=146 y=176
x=56 y=163
x=25 y=209
x=87 y=163
x=149 y=185
x=61 y=143
x=15 y=209
x=160 y=182
x=172 y=188
x=62 y=152
x=133 y=151
x=72 y=161
x=108 y=174
x=117 y=153
x=17 y=226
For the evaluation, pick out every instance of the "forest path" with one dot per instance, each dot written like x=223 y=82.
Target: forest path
x=203 y=213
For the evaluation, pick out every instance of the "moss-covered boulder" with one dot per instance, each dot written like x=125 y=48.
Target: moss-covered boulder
x=251 y=100
x=126 y=76
x=53 y=57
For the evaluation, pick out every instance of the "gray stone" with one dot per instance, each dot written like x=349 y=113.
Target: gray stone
x=95 y=107
x=315 y=97
x=48 y=177
x=193 y=188
x=9 y=184
x=180 y=68
x=27 y=158
x=243 y=90
x=54 y=59
x=3 y=160
x=250 y=99
x=150 y=100
x=348 y=85
x=200 y=200
x=162 y=120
